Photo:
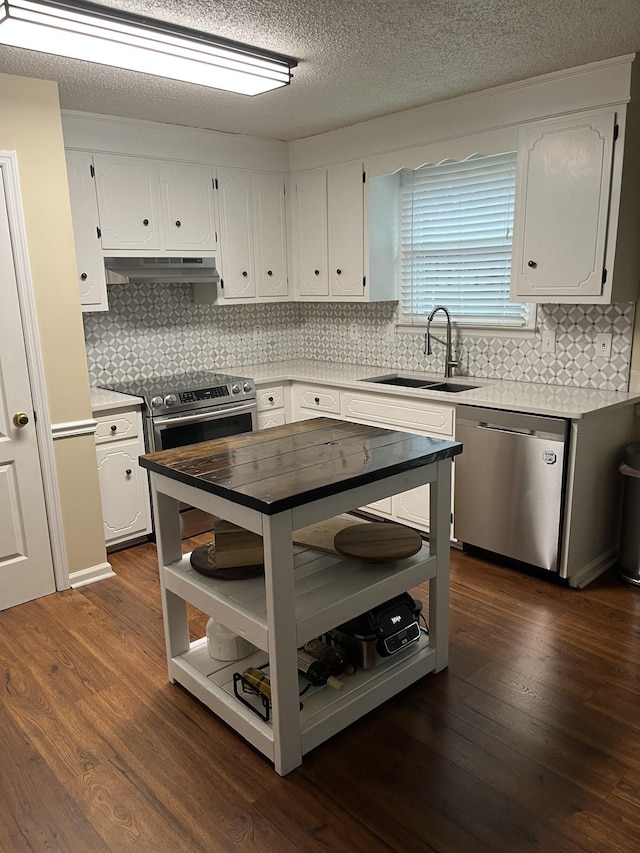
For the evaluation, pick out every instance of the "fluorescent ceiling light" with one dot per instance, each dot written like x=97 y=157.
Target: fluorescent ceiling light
x=99 y=34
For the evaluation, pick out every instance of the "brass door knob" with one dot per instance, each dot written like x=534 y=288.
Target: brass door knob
x=20 y=419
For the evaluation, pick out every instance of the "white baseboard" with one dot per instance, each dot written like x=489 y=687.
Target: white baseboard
x=91 y=575
x=593 y=570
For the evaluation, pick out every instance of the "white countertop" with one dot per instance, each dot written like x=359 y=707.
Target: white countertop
x=554 y=400
x=102 y=400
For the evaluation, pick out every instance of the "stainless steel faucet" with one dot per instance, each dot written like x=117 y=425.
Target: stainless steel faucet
x=450 y=363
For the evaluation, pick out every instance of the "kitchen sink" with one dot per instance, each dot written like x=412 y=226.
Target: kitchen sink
x=414 y=382
x=451 y=387
x=404 y=381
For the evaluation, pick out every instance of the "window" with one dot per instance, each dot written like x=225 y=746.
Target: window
x=456 y=229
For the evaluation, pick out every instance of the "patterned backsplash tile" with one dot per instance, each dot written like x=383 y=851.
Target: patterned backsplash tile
x=157 y=329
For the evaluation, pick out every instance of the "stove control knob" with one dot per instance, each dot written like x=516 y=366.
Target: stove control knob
x=156 y=402
x=247 y=387
x=170 y=400
x=235 y=389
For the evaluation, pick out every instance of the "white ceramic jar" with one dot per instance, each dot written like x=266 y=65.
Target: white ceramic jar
x=223 y=644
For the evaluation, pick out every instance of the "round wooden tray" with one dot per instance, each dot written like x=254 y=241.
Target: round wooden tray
x=378 y=542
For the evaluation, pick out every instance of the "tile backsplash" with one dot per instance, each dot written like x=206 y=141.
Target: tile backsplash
x=157 y=329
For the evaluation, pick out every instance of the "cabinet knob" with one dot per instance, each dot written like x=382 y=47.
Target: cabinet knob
x=113 y=427
x=244 y=273
x=532 y=264
x=83 y=276
x=317 y=399
x=271 y=399
x=316 y=272
x=338 y=272
x=178 y=223
x=145 y=221
x=269 y=272
x=128 y=472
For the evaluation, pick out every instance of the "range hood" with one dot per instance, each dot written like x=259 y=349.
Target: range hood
x=178 y=270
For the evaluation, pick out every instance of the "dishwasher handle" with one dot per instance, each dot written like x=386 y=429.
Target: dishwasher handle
x=511 y=431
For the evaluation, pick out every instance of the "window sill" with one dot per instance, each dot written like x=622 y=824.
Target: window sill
x=470 y=331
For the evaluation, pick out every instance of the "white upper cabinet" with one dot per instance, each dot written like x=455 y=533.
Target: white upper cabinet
x=128 y=202
x=310 y=240
x=253 y=263
x=237 y=280
x=84 y=214
x=186 y=193
x=345 y=209
x=568 y=190
x=270 y=234
x=330 y=237
x=155 y=207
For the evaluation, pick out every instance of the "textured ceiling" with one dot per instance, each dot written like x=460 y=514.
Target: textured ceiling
x=358 y=59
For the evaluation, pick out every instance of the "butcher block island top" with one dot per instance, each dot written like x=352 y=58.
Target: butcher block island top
x=274 y=482
x=287 y=466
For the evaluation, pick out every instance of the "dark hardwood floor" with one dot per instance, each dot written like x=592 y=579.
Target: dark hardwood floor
x=529 y=741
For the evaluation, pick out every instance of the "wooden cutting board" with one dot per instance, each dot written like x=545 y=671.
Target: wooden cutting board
x=320 y=536
x=378 y=542
x=232 y=553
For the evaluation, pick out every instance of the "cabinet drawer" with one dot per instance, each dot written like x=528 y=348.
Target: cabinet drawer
x=419 y=416
x=269 y=419
x=117 y=425
x=270 y=398
x=322 y=399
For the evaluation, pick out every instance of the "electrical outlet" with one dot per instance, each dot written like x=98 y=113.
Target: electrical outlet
x=353 y=333
x=257 y=334
x=390 y=334
x=548 y=340
x=603 y=346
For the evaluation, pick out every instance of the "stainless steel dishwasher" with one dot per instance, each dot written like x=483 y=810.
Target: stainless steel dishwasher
x=509 y=484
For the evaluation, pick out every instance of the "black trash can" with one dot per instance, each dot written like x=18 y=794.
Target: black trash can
x=630 y=536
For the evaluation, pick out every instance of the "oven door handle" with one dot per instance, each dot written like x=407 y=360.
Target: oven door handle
x=209 y=415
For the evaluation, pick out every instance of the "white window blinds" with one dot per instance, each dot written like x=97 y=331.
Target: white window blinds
x=456 y=228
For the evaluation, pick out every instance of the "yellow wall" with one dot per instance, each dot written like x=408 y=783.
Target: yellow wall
x=30 y=124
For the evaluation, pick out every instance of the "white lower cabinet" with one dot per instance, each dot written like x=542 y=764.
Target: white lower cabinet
x=424 y=417
x=124 y=486
x=271 y=406
x=313 y=401
x=420 y=416
x=412 y=507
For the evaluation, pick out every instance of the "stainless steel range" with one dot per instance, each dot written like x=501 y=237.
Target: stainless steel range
x=188 y=408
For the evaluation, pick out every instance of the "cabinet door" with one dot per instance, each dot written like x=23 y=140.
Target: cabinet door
x=346 y=230
x=562 y=203
x=128 y=202
x=124 y=491
x=84 y=215
x=234 y=200
x=270 y=229
x=186 y=192
x=310 y=233
x=412 y=507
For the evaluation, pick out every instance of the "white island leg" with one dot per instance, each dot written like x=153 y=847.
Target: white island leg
x=439 y=543
x=281 y=621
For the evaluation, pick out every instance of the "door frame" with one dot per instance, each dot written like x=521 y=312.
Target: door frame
x=43 y=428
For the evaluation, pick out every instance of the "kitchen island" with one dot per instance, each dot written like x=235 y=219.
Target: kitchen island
x=272 y=483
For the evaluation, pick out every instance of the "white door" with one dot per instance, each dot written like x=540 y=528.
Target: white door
x=26 y=567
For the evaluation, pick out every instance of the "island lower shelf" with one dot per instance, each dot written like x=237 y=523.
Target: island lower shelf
x=324 y=711
x=329 y=590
